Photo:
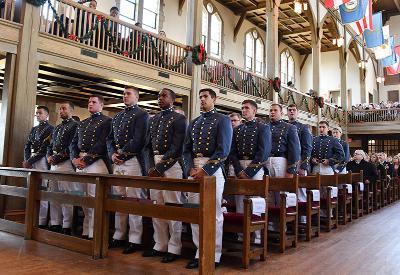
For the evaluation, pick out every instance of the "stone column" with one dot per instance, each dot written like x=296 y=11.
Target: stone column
x=193 y=38
x=272 y=42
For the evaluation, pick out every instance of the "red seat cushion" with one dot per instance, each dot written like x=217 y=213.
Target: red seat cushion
x=237 y=218
x=276 y=210
x=303 y=205
x=323 y=200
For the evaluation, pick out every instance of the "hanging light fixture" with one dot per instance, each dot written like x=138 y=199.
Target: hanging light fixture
x=362 y=64
x=380 y=79
x=340 y=41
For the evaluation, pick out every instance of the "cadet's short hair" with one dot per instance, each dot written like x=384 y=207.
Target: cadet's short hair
x=114 y=8
x=171 y=93
x=251 y=102
x=130 y=87
x=43 y=108
x=292 y=106
x=324 y=122
x=277 y=104
x=99 y=97
x=235 y=114
x=70 y=104
x=210 y=91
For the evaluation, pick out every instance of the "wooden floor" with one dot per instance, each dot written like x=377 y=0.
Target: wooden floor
x=370 y=245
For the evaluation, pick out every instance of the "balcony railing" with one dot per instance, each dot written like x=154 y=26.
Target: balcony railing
x=304 y=102
x=232 y=77
x=362 y=116
x=332 y=112
x=70 y=20
x=7 y=10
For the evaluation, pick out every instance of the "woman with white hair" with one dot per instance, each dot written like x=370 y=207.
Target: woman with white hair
x=358 y=163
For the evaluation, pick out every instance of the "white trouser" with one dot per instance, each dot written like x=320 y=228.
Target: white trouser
x=167 y=234
x=323 y=170
x=41 y=164
x=64 y=211
x=277 y=167
x=130 y=167
x=97 y=167
x=239 y=198
x=195 y=198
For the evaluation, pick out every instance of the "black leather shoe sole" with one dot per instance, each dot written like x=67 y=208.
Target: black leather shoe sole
x=116 y=243
x=153 y=253
x=193 y=264
x=169 y=258
x=131 y=248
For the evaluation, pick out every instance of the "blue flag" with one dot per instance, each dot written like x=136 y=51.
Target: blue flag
x=391 y=59
x=353 y=10
x=375 y=38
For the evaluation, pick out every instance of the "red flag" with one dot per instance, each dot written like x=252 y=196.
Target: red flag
x=334 y=3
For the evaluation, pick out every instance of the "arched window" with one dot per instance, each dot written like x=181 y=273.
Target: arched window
x=287 y=67
x=211 y=30
x=254 y=52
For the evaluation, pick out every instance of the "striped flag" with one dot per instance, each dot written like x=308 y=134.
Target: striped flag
x=395 y=67
x=358 y=14
x=334 y=3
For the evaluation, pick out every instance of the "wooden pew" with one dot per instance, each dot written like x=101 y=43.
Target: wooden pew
x=310 y=208
x=103 y=205
x=368 y=198
x=329 y=204
x=246 y=222
x=345 y=199
x=377 y=190
x=358 y=194
x=282 y=215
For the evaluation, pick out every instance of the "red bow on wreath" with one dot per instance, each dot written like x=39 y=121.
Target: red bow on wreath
x=277 y=84
x=201 y=53
x=72 y=37
x=125 y=53
x=100 y=18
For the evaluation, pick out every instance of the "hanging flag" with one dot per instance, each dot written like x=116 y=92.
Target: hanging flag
x=382 y=51
x=390 y=60
x=375 y=38
x=394 y=68
x=357 y=13
x=334 y=3
x=386 y=32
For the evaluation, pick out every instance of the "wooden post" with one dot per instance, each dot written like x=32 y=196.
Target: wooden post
x=98 y=219
x=105 y=226
x=207 y=225
x=32 y=205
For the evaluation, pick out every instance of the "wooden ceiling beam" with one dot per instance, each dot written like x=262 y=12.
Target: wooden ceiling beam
x=297 y=31
x=239 y=25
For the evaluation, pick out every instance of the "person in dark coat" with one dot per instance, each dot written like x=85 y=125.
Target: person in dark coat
x=370 y=173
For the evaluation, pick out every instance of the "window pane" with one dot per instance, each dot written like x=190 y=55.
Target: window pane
x=283 y=68
x=290 y=69
x=149 y=19
x=128 y=10
x=259 y=56
x=151 y=5
x=249 y=45
x=216 y=29
x=204 y=27
x=249 y=63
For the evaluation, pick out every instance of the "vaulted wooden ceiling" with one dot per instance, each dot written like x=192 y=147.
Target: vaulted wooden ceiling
x=295 y=29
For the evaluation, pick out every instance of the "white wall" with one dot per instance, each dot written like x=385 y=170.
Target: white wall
x=370 y=80
x=353 y=80
x=172 y=23
x=330 y=73
x=306 y=76
x=383 y=91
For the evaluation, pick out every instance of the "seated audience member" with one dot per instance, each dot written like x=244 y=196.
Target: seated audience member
x=370 y=173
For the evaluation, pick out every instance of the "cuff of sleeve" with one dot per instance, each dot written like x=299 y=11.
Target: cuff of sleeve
x=210 y=169
x=292 y=170
x=251 y=171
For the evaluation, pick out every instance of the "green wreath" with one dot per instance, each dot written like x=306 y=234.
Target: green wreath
x=199 y=55
x=36 y=3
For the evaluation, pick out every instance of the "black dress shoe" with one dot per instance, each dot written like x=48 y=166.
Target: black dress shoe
x=194 y=263
x=56 y=228
x=43 y=226
x=86 y=237
x=131 y=248
x=114 y=243
x=66 y=231
x=169 y=258
x=153 y=253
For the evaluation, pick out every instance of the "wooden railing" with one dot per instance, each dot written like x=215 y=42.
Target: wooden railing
x=304 y=102
x=74 y=21
x=362 y=116
x=7 y=10
x=103 y=204
x=331 y=112
x=232 y=77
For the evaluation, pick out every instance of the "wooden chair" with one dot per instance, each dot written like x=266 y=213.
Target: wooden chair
x=246 y=222
x=329 y=203
x=377 y=190
x=384 y=188
x=358 y=193
x=395 y=188
x=282 y=215
x=368 y=200
x=310 y=208
x=345 y=198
